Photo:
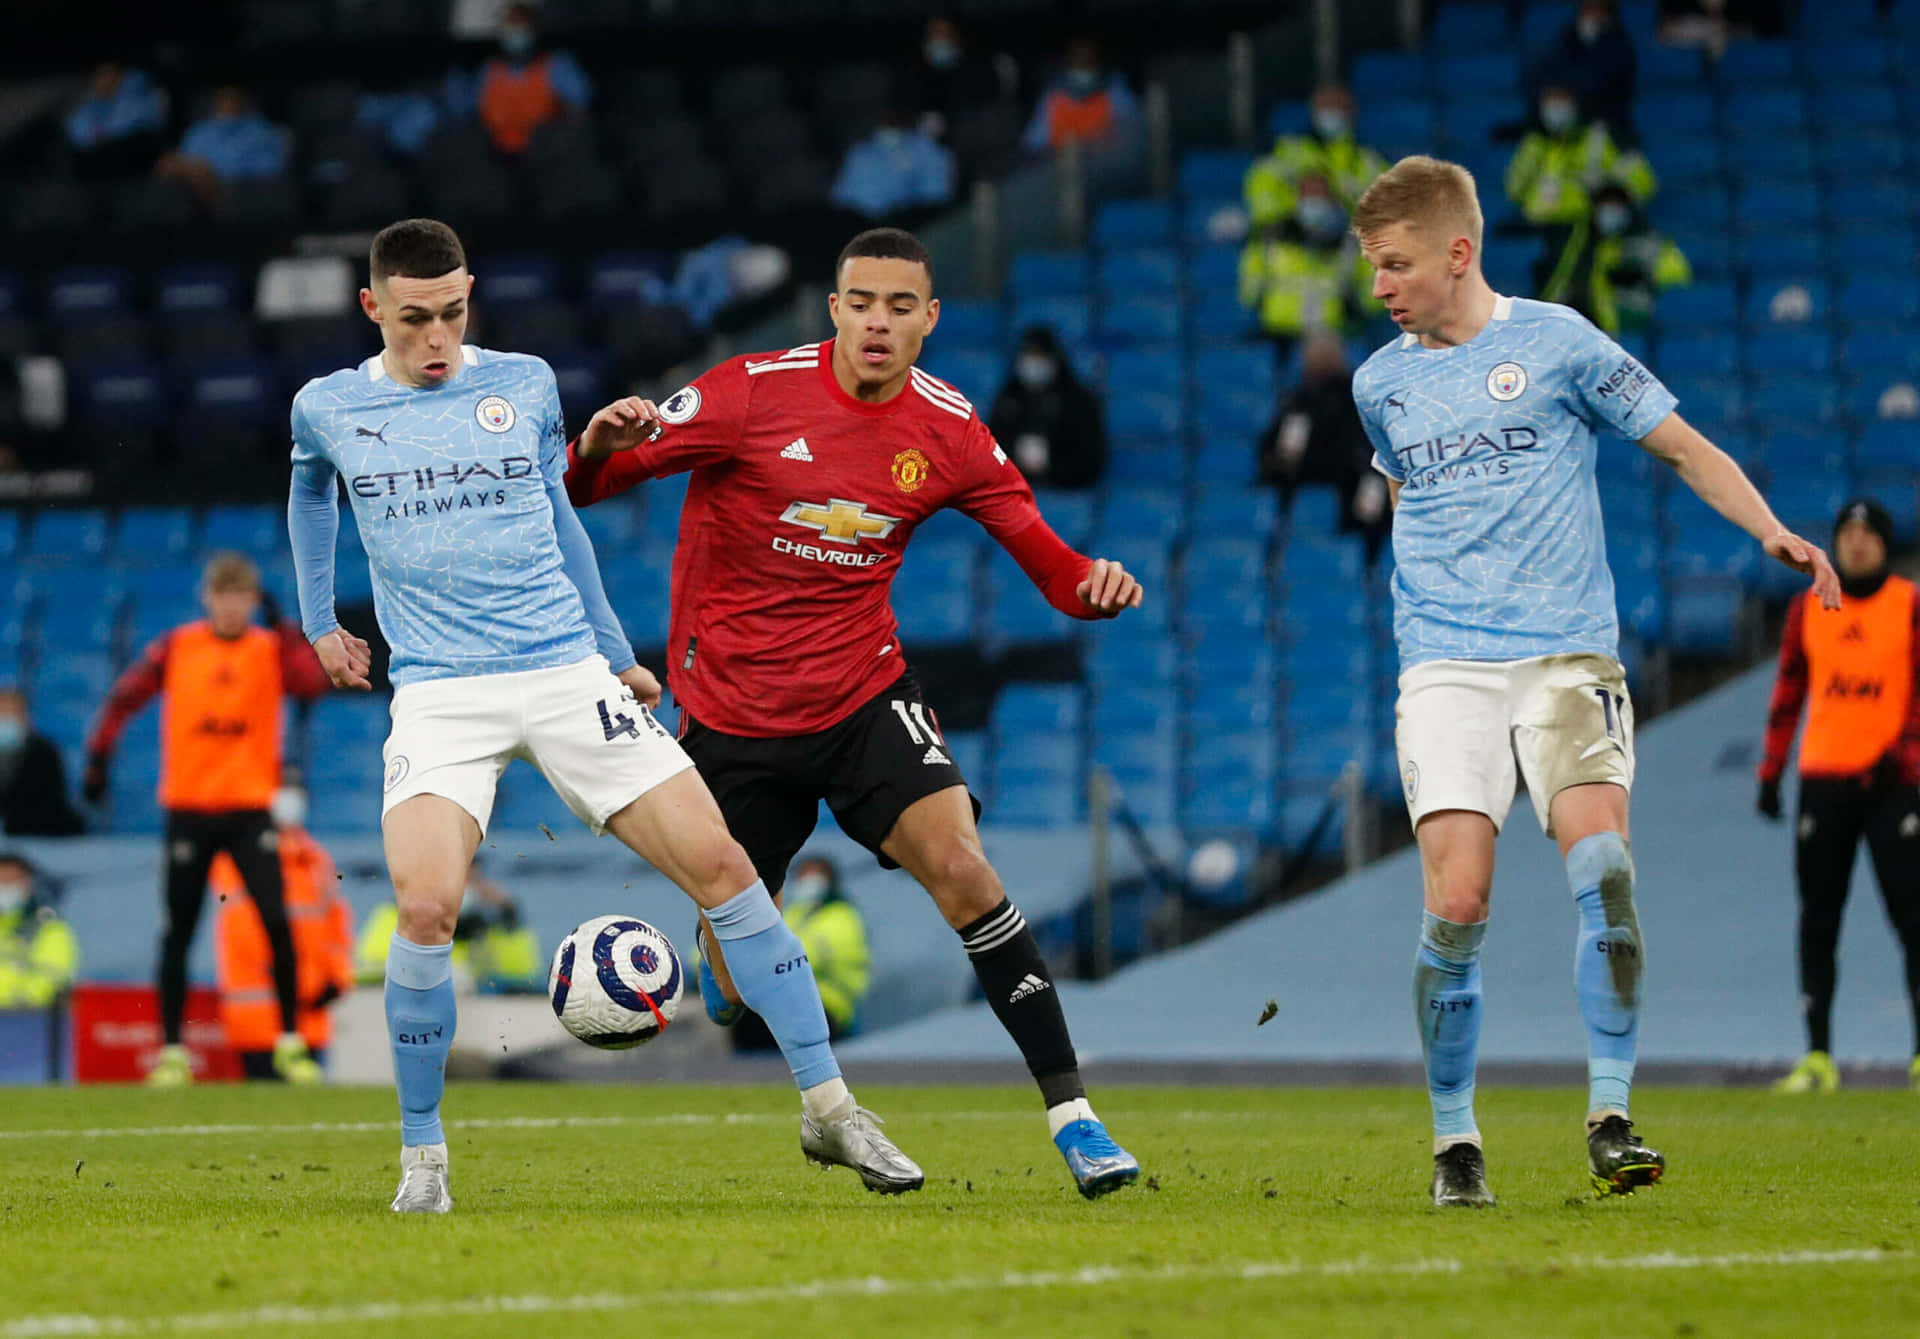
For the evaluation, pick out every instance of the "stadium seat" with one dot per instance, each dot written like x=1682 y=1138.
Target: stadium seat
x=1790 y=351
x=1666 y=67
x=1066 y=317
x=626 y=278
x=1048 y=274
x=1705 y=616
x=1748 y=65
x=1774 y=153
x=1870 y=202
x=68 y=536
x=1212 y=173
x=971 y=321
x=1231 y=513
x=1158 y=368
x=1216 y=315
x=1140 y=317
x=1770 y=255
x=1840 y=60
x=518 y=279
x=1225 y=460
x=1679 y=112
x=1473 y=27
x=1794 y=399
x=1134 y=223
x=1699 y=355
x=1771 y=205
x=977 y=372
x=1852 y=108
x=1397 y=122
x=1698 y=304
x=1037 y=803
x=1145 y=271
x=1313 y=518
x=260 y=532
x=1758 y=109
x=1888 y=446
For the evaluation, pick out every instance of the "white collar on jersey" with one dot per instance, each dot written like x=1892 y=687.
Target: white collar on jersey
x=377 y=369
x=1502 y=311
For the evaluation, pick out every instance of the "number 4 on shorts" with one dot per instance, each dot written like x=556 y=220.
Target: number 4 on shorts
x=613 y=726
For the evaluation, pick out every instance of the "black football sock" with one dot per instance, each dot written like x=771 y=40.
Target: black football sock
x=1017 y=984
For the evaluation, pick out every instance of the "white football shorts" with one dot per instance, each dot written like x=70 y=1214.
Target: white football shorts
x=1462 y=728
x=598 y=747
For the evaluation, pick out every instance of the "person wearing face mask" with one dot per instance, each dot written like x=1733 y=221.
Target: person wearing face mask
x=39 y=956
x=834 y=935
x=1563 y=159
x=897 y=169
x=523 y=87
x=1085 y=102
x=1329 y=151
x=1593 y=59
x=1857 y=671
x=222 y=682
x=1049 y=421
x=495 y=952
x=1611 y=266
x=322 y=925
x=33 y=781
x=950 y=83
x=1306 y=274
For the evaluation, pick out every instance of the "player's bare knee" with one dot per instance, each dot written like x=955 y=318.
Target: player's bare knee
x=962 y=881
x=1458 y=896
x=428 y=909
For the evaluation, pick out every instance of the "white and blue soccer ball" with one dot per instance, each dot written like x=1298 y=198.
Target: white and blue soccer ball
x=616 y=982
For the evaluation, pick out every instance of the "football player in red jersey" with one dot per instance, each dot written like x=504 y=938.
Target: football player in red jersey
x=811 y=469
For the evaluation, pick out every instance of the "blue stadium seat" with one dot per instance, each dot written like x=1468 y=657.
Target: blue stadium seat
x=1679 y=112
x=1216 y=315
x=199 y=287
x=1863 y=247
x=1213 y=269
x=1471 y=26
x=236 y=390
x=68 y=626
x=1228 y=407
x=581 y=377
x=1887 y=446
x=1708 y=548
x=1760 y=300
x=1841 y=60
x=1870 y=202
x=89 y=290
x=1213 y=220
x=1474 y=114
x=1698 y=304
x=1480 y=67
x=1704 y=205
x=78 y=678
x=1140 y=317
x=1066 y=316
x=1070 y=512
x=1709 y=397
x=147 y=533
x=936 y=590
x=976 y=373
x=1158 y=368
x=1793 y=447
x=1772 y=254
x=1145 y=412
x=524 y=802
x=970 y=321
x=1047 y=273
x=1747 y=65
x=1704 y=615
x=1758 y=109
x=1705 y=354
x=1852 y=108
x=1212 y=173
x=1400 y=122
x=260 y=531
x=1016 y=613
x=1030 y=709
x=1863 y=157
x=1797 y=352
x=1229 y=796
x=122 y=395
x=1148 y=271
x=1686 y=158
x=1670 y=67
x=1775 y=204
x=1134 y=223
x=1313 y=517
x=517 y=279
x=970 y=751
x=1794 y=399
x=1141 y=514
x=1146 y=460
x=1230 y=565
x=1039 y=803
x=624 y=278
x=1231 y=512
x=1225 y=460
x=1775 y=154
x=68 y=536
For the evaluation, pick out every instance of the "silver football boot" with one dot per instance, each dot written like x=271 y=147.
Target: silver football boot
x=850 y=1137
x=423 y=1180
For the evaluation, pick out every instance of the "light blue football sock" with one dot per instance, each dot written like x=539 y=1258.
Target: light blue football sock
x=1607 y=964
x=1446 y=1002
x=771 y=972
x=420 y=1021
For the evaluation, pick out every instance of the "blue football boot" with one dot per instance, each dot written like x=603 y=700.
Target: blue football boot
x=1098 y=1164
x=719 y=1008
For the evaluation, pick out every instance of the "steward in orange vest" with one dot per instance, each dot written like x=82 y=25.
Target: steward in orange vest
x=222 y=682
x=1858 y=670
x=322 y=926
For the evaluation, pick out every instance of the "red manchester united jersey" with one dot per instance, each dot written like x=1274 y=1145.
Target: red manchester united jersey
x=801 y=503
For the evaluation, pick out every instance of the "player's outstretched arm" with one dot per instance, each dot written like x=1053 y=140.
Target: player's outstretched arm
x=1722 y=485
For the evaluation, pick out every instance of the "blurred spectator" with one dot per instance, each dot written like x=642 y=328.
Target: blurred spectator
x=39 y=957
x=1047 y=418
x=494 y=951
x=1563 y=160
x=1901 y=400
x=322 y=925
x=831 y=930
x=1329 y=151
x=1711 y=24
x=1085 y=102
x=232 y=143
x=522 y=88
x=119 y=128
x=1611 y=266
x=1317 y=438
x=403 y=120
x=1593 y=59
x=33 y=781
x=1305 y=273
x=898 y=167
x=951 y=80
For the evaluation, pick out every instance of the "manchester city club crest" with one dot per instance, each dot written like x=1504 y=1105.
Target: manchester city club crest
x=495 y=413
x=396 y=771
x=1411 y=779
x=1507 y=381
x=682 y=405
x=910 y=470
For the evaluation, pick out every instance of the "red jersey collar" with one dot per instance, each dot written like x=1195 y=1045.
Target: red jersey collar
x=846 y=401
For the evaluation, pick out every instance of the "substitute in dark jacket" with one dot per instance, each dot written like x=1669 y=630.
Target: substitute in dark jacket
x=1858 y=670
x=33 y=781
x=1047 y=420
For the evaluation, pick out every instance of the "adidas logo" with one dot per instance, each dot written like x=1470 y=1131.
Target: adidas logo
x=935 y=758
x=1032 y=985
x=797 y=450
x=1854 y=633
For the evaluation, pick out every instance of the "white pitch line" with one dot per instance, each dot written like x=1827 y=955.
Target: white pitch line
x=537 y=1123
x=281 y=1317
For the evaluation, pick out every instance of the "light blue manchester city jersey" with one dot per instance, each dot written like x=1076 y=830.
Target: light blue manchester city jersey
x=1497 y=541
x=450 y=486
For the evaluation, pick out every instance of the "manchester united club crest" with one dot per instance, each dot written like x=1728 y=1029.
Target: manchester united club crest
x=910 y=470
x=495 y=413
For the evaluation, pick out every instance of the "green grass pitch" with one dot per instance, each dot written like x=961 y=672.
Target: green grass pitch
x=662 y=1209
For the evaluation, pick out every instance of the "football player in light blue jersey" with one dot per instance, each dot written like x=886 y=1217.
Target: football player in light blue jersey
x=504 y=647
x=1483 y=415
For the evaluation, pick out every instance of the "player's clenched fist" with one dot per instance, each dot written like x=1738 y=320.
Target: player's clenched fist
x=645 y=687
x=621 y=426
x=1108 y=588
x=347 y=659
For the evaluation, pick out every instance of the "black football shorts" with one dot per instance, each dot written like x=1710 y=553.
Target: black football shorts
x=868 y=768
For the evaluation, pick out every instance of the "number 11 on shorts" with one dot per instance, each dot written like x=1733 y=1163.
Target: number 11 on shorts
x=1611 y=705
x=913 y=715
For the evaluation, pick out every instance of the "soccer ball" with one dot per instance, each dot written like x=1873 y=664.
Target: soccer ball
x=616 y=982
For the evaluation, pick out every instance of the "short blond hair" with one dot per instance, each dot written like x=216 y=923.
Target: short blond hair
x=1430 y=194
x=230 y=571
